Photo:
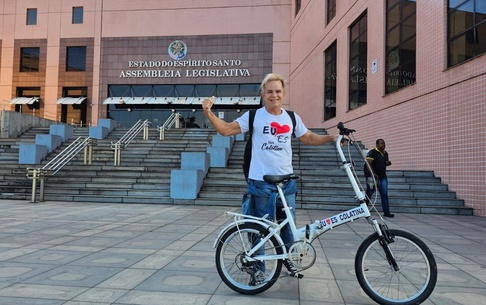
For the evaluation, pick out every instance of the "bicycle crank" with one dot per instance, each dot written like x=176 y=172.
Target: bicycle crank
x=302 y=255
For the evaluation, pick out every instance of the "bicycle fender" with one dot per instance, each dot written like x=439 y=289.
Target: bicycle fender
x=240 y=222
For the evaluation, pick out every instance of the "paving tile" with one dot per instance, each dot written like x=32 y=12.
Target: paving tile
x=143 y=254
x=37 y=291
x=178 y=281
x=77 y=276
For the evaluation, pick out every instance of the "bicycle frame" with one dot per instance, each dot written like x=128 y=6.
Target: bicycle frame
x=311 y=231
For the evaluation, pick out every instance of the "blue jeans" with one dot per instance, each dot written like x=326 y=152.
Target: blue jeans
x=264 y=202
x=383 y=189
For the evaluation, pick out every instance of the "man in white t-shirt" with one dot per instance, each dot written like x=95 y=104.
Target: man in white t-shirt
x=271 y=149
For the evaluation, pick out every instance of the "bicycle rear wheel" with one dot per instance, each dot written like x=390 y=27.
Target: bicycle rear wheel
x=411 y=284
x=235 y=271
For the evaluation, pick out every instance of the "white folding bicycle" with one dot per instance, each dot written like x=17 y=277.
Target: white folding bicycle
x=392 y=266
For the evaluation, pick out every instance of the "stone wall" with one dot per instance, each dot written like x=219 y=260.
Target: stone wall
x=14 y=123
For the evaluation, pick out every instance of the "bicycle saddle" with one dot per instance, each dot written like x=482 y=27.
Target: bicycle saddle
x=279 y=178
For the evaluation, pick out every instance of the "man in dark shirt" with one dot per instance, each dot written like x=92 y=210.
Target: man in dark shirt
x=377 y=160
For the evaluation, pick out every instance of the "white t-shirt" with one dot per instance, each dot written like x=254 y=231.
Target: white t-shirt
x=271 y=147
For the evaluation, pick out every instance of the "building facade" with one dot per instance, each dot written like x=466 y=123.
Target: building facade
x=410 y=72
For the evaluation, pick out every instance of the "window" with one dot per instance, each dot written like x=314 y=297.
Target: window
x=331 y=10
x=74 y=92
x=29 y=59
x=297 y=6
x=142 y=90
x=358 y=58
x=250 y=90
x=76 y=59
x=78 y=15
x=31 y=16
x=330 y=83
x=28 y=91
x=466 y=30
x=219 y=90
x=400 y=44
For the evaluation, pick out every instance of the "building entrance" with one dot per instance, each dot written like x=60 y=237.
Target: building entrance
x=190 y=118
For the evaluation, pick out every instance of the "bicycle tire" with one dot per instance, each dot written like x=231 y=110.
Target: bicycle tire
x=231 y=249
x=412 y=284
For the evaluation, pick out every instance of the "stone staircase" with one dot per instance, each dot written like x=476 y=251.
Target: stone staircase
x=144 y=175
x=323 y=185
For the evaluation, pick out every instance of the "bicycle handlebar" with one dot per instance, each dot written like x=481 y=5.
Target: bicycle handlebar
x=343 y=130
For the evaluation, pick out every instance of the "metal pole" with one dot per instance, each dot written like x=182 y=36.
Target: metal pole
x=162 y=134
x=145 y=131
x=85 y=155
x=34 y=184
x=90 y=152
x=41 y=195
x=119 y=154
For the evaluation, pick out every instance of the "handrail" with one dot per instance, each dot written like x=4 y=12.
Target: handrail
x=68 y=154
x=133 y=132
x=128 y=138
x=59 y=161
x=173 y=118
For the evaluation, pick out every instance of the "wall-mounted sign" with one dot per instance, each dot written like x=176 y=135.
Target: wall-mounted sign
x=192 y=68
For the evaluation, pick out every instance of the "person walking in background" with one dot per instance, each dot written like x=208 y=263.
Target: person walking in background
x=271 y=154
x=377 y=160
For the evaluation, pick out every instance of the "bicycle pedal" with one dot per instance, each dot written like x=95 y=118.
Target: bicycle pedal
x=296 y=274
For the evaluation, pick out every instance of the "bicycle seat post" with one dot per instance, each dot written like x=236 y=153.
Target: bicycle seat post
x=282 y=196
x=288 y=213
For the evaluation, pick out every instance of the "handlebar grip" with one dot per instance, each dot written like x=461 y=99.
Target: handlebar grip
x=343 y=130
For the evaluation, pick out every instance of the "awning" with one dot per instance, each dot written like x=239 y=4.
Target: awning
x=249 y=100
x=226 y=100
x=24 y=100
x=183 y=100
x=114 y=100
x=171 y=100
x=71 y=100
x=159 y=100
x=136 y=100
x=128 y=100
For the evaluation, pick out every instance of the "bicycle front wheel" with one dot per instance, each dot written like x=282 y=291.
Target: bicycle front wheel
x=411 y=284
x=233 y=268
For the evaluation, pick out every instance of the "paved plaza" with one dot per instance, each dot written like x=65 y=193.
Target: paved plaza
x=55 y=253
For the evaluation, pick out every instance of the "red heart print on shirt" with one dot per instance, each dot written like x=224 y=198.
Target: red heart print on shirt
x=280 y=129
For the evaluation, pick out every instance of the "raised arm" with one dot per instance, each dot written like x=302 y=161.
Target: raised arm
x=311 y=138
x=222 y=127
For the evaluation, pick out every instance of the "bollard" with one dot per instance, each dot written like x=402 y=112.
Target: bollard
x=34 y=185
x=41 y=186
